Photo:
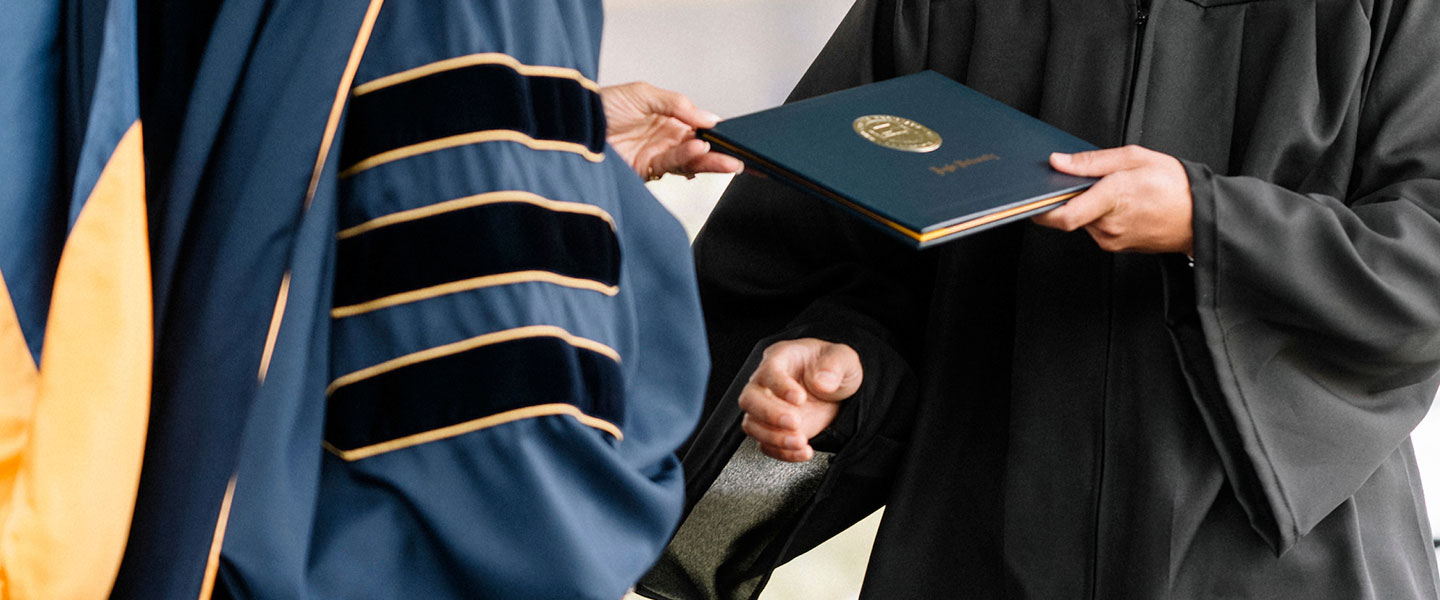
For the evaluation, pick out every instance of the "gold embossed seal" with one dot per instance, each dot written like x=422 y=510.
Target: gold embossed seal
x=897 y=133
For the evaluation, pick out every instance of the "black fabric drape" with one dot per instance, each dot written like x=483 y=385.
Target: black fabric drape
x=1094 y=425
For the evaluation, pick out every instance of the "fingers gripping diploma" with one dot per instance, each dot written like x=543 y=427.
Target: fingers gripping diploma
x=1142 y=202
x=795 y=393
x=654 y=129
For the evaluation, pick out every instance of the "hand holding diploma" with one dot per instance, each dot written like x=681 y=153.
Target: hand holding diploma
x=654 y=129
x=1141 y=203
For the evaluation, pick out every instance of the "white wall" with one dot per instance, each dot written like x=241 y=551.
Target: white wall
x=731 y=57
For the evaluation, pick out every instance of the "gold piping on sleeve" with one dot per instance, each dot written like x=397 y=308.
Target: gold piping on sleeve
x=212 y=563
x=509 y=416
x=473 y=201
x=497 y=337
x=474 y=283
x=466 y=139
x=274 y=332
x=487 y=58
x=362 y=39
x=347 y=78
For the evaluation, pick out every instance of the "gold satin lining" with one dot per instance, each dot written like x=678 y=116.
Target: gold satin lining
x=68 y=514
x=19 y=380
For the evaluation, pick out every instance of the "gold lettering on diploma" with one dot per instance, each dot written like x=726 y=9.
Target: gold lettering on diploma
x=946 y=169
x=897 y=133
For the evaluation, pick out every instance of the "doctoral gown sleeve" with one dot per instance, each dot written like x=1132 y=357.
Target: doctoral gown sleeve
x=517 y=347
x=1321 y=315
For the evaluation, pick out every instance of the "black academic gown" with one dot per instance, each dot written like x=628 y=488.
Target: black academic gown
x=1043 y=419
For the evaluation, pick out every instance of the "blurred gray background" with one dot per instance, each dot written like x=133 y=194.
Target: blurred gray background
x=734 y=57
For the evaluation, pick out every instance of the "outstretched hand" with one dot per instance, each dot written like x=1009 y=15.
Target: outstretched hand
x=1142 y=202
x=654 y=130
x=795 y=393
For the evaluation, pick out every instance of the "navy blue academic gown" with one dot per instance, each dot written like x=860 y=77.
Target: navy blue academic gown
x=420 y=332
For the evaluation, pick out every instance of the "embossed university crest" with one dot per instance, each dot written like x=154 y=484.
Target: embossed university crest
x=897 y=133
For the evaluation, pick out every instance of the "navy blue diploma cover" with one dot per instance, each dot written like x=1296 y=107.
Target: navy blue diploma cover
x=920 y=156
